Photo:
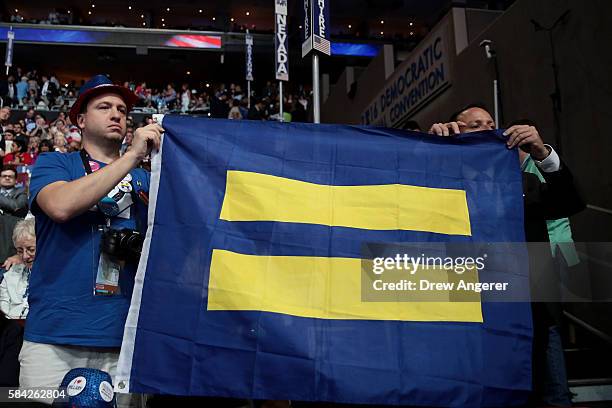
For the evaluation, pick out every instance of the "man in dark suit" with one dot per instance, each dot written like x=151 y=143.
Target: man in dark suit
x=13 y=200
x=556 y=197
x=48 y=91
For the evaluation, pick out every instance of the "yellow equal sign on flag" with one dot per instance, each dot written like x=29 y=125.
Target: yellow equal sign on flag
x=261 y=197
x=315 y=287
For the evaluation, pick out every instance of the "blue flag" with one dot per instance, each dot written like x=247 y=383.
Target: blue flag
x=249 y=281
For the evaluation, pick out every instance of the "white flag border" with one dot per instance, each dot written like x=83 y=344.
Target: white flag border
x=124 y=365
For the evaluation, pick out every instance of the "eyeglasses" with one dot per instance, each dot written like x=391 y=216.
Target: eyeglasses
x=29 y=250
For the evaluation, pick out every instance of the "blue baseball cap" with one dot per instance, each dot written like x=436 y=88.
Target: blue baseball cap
x=99 y=85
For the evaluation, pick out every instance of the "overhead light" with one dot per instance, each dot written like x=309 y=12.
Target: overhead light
x=411 y=24
x=93 y=6
x=248 y=13
x=300 y=27
x=200 y=10
x=89 y=12
x=69 y=11
x=207 y=85
x=16 y=10
x=168 y=9
x=382 y=21
x=382 y=33
x=412 y=33
x=142 y=16
x=232 y=19
x=188 y=72
x=163 y=19
x=66 y=85
x=144 y=24
x=129 y=7
x=350 y=26
x=214 y=18
x=163 y=25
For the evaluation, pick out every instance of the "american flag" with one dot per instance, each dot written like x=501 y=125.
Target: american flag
x=322 y=45
x=194 y=41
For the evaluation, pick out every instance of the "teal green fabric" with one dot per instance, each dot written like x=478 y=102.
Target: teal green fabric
x=559 y=231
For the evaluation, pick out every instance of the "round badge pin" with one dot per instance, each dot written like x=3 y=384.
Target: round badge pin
x=76 y=386
x=106 y=391
x=95 y=166
x=125 y=186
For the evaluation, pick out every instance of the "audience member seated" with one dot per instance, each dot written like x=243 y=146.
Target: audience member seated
x=19 y=154
x=15 y=283
x=45 y=146
x=13 y=200
x=5 y=115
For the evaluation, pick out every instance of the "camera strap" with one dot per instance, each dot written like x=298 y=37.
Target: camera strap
x=109 y=205
x=106 y=277
x=85 y=158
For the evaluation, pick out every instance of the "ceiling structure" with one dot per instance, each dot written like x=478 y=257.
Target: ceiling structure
x=359 y=19
x=400 y=22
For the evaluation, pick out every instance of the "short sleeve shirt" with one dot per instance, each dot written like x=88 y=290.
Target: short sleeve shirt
x=63 y=308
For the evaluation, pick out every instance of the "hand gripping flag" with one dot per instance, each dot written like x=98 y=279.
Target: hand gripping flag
x=248 y=285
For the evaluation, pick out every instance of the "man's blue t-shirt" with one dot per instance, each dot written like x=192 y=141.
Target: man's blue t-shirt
x=63 y=308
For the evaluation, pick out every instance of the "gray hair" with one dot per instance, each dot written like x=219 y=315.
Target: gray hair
x=24 y=229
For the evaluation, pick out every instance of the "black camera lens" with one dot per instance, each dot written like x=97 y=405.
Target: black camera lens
x=132 y=242
x=124 y=244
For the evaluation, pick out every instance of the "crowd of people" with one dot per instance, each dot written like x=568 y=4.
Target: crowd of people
x=42 y=95
x=224 y=102
x=99 y=137
x=36 y=118
x=33 y=91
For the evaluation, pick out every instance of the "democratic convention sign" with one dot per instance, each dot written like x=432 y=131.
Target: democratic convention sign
x=280 y=41
x=415 y=82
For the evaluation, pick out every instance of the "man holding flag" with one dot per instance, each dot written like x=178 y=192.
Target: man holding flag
x=80 y=294
x=549 y=199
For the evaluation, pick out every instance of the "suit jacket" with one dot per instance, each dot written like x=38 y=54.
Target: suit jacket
x=557 y=198
x=15 y=202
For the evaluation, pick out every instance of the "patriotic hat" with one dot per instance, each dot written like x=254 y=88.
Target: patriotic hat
x=99 y=85
x=86 y=388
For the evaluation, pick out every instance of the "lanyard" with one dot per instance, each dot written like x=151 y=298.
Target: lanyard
x=107 y=205
x=85 y=159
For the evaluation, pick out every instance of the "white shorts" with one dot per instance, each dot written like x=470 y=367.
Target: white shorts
x=45 y=365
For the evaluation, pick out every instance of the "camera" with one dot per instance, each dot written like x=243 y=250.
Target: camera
x=123 y=244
